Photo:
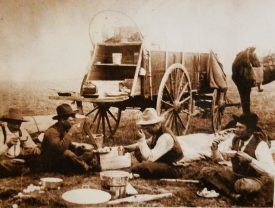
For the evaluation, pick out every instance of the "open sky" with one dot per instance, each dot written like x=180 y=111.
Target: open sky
x=49 y=39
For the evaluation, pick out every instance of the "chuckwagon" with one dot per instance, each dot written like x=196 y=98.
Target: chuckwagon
x=124 y=74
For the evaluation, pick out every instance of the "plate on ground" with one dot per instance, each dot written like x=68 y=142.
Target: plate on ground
x=86 y=196
x=208 y=194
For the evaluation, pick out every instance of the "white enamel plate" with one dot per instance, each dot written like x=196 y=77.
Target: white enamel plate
x=86 y=196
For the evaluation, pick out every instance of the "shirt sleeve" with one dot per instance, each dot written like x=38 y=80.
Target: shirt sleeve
x=3 y=147
x=264 y=159
x=27 y=141
x=164 y=144
x=220 y=153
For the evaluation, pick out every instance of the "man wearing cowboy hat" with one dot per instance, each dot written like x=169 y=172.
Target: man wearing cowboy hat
x=252 y=164
x=58 y=153
x=158 y=154
x=17 y=149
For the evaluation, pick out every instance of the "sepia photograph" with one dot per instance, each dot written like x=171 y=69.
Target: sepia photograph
x=137 y=103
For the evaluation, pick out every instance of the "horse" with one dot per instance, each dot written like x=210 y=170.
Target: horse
x=245 y=77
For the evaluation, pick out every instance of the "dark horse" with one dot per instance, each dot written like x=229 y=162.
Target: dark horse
x=245 y=77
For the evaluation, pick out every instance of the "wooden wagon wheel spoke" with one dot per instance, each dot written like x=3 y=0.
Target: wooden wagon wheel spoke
x=105 y=119
x=175 y=82
x=112 y=115
x=98 y=122
x=92 y=111
x=171 y=87
x=103 y=122
x=96 y=115
x=168 y=118
x=175 y=96
x=180 y=121
x=167 y=103
x=172 y=122
x=180 y=85
x=186 y=99
x=169 y=94
x=176 y=124
x=182 y=91
x=109 y=124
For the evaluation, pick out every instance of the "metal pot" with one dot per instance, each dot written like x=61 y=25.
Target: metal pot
x=114 y=178
x=51 y=182
x=115 y=182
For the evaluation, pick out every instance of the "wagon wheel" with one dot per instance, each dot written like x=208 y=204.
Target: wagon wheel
x=217 y=111
x=104 y=119
x=174 y=100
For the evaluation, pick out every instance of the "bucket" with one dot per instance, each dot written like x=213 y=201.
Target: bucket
x=117 y=58
x=115 y=182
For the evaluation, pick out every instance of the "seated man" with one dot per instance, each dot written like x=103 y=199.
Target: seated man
x=58 y=152
x=252 y=164
x=158 y=154
x=17 y=149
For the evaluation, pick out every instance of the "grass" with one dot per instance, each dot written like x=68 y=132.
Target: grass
x=32 y=99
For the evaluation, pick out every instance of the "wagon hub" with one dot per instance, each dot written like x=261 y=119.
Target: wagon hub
x=177 y=105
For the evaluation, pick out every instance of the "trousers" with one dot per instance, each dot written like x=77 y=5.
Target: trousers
x=226 y=180
x=156 y=170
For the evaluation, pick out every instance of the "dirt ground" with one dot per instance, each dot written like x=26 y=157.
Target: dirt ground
x=184 y=194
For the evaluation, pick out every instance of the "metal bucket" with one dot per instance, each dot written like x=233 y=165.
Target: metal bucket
x=115 y=182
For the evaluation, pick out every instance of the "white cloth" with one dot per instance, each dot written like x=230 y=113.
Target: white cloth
x=164 y=144
x=24 y=142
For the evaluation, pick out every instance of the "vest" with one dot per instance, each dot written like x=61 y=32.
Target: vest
x=172 y=155
x=244 y=168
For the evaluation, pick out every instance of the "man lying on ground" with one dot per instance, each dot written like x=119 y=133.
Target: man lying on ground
x=158 y=154
x=252 y=164
x=18 y=152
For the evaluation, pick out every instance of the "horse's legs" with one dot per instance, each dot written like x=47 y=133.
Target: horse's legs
x=244 y=93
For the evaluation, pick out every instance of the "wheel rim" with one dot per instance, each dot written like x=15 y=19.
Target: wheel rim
x=104 y=119
x=217 y=111
x=174 y=100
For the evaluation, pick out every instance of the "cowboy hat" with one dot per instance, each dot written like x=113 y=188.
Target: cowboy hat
x=250 y=120
x=13 y=115
x=64 y=110
x=149 y=116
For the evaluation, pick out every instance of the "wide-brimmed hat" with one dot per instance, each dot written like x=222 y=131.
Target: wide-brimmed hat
x=63 y=111
x=250 y=120
x=13 y=114
x=149 y=116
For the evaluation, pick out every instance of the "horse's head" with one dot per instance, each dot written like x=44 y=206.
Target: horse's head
x=244 y=62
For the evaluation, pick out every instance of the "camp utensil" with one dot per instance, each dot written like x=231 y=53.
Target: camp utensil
x=51 y=182
x=86 y=196
x=115 y=182
x=140 y=198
